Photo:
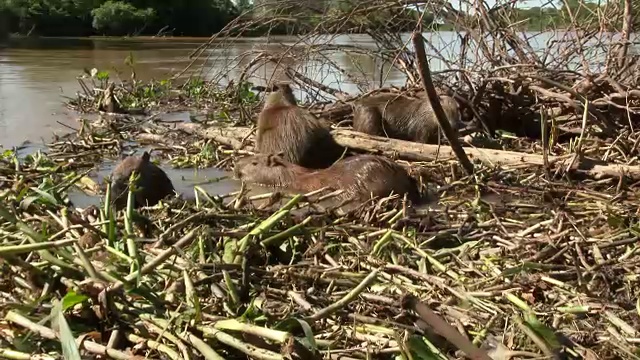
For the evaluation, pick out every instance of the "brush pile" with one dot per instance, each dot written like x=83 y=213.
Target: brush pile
x=533 y=255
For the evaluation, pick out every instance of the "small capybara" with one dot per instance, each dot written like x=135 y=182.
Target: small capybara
x=153 y=183
x=284 y=127
x=360 y=176
x=404 y=118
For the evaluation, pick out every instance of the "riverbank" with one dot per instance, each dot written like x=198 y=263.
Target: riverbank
x=274 y=37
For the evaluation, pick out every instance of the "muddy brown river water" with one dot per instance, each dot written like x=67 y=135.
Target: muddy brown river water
x=36 y=74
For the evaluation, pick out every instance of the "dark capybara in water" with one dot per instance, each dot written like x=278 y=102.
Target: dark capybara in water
x=404 y=118
x=284 y=127
x=360 y=176
x=153 y=183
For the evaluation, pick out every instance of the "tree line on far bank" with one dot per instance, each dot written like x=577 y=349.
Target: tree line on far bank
x=118 y=17
x=206 y=17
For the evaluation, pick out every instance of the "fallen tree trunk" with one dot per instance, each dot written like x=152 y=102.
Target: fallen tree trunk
x=236 y=138
x=409 y=150
x=426 y=152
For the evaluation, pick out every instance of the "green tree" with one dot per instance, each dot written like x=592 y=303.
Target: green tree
x=76 y=17
x=539 y=18
x=190 y=17
x=4 y=20
x=53 y=17
x=243 y=5
x=120 y=18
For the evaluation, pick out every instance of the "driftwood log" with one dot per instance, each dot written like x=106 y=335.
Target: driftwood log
x=426 y=152
x=240 y=138
x=234 y=137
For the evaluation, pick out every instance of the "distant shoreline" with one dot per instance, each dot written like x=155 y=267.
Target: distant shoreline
x=204 y=39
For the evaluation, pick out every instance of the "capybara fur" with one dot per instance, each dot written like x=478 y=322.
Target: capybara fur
x=284 y=127
x=153 y=183
x=359 y=176
x=404 y=118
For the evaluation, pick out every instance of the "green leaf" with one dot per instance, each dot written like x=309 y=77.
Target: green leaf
x=547 y=333
x=46 y=196
x=192 y=297
x=615 y=221
x=103 y=75
x=67 y=341
x=420 y=350
x=7 y=215
x=291 y=324
x=71 y=299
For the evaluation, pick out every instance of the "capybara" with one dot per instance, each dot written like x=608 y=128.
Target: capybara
x=153 y=183
x=404 y=118
x=360 y=176
x=284 y=127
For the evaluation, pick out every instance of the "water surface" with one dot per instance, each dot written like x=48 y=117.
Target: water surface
x=212 y=180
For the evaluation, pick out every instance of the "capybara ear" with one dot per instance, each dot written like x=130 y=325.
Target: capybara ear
x=281 y=85
x=146 y=157
x=271 y=87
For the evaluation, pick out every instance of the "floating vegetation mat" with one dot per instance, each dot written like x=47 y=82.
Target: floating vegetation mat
x=519 y=265
x=533 y=256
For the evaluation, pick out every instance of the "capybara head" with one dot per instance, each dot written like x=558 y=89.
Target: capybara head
x=452 y=110
x=154 y=183
x=122 y=172
x=281 y=92
x=264 y=169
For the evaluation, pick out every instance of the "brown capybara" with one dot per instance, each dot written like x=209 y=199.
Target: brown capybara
x=284 y=127
x=153 y=183
x=404 y=118
x=360 y=176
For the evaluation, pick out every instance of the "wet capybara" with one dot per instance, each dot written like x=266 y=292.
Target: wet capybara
x=284 y=127
x=153 y=183
x=360 y=176
x=404 y=118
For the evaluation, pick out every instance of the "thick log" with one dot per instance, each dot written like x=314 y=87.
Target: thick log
x=426 y=152
x=409 y=150
x=236 y=137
